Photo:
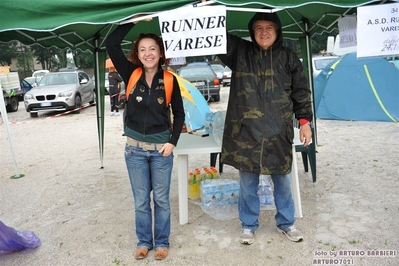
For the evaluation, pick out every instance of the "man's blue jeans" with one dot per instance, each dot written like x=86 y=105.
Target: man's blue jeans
x=249 y=205
x=150 y=171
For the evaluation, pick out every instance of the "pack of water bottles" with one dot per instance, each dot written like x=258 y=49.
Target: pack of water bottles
x=265 y=192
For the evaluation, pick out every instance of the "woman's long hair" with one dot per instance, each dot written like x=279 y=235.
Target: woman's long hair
x=133 y=57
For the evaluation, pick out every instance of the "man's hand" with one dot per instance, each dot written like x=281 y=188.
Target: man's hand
x=305 y=134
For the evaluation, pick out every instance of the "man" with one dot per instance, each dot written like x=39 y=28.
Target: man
x=114 y=81
x=268 y=86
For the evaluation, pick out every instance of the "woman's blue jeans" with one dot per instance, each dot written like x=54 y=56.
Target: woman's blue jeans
x=150 y=171
x=249 y=205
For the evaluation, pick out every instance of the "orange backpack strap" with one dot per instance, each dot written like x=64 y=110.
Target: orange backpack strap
x=133 y=81
x=168 y=84
x=167 y=80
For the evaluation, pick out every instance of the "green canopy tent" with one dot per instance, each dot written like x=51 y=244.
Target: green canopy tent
x=84 y=24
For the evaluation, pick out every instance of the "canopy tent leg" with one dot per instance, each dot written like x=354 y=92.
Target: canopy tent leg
x=306 y=51
x=5 y=119
x=99 y=70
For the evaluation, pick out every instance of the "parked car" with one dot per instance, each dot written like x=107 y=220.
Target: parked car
x=204 y=78
x=31 y=81
x=320 y=62
x=38 y=75
x=25 y=85
x=199 y=64
x=219 y=69
x=106 y=82
x=226 y=76
x=60 y=91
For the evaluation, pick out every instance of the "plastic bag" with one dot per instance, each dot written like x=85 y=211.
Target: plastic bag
x=223 y=212
x=209 y=120
x=219 y=198
x=269 y=203
x=218 y=126
x=12 y=240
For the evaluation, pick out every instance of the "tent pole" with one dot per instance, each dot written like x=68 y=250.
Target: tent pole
x=6 y=124
x=310 y=76
x=100 y=78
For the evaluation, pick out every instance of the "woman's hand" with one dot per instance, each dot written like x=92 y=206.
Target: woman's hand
x=167 y=149
x=139 y=16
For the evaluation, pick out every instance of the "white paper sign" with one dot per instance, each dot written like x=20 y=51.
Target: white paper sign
x=194 y=31
x=177 y=61
x=347 y=32
x=378 y=30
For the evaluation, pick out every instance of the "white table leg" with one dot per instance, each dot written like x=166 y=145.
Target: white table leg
x=182 y=174
x=295 y=185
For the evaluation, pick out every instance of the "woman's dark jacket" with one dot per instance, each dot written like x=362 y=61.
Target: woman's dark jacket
x=147 y=112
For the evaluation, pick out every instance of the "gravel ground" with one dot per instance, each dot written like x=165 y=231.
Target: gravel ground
x=84 y=215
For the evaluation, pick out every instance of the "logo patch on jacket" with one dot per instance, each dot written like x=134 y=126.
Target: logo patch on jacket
x=161 y=100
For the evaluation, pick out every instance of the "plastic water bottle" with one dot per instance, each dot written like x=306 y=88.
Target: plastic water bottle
x=265 y=191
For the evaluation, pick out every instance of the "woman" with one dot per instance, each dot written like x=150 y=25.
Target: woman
x=150 y=138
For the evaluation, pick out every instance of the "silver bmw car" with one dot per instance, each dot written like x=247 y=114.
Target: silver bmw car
x=60 y=91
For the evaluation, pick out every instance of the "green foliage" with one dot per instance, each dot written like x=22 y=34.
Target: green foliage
x=83 y=60
x=44 y=56
x=25 y=61
x=7 y=52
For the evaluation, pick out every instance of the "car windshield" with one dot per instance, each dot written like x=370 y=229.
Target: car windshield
x=58 y=79
x=196 y=71
x=218 y=68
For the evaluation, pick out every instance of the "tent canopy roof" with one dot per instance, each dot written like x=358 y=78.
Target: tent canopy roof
x=77 y=23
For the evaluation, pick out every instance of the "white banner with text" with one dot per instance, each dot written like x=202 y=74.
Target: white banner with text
x=194 y=31
x=378 y=30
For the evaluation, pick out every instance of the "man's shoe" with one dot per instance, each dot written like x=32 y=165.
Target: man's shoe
x=247 y=236
x=161 y=253
x=291 y=233
x=141 y=253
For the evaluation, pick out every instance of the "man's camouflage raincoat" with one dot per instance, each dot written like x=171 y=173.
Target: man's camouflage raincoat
x=267 y=88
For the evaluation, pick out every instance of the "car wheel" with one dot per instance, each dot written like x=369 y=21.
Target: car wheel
x=216 y=98
x=12 y=106
x=78 y=103
x=33 y=114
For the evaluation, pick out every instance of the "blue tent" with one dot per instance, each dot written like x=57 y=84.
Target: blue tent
x=358 y=89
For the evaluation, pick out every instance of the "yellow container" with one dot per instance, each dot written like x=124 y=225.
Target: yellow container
x=194 y=180
x=194 y=190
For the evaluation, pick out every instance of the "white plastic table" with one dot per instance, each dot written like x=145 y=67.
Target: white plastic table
x=192 y=144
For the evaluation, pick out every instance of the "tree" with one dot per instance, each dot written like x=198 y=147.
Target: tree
x=7 y=52
x=25 y=60
x=50 y=58
x=83 y=60
x=59 y=58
